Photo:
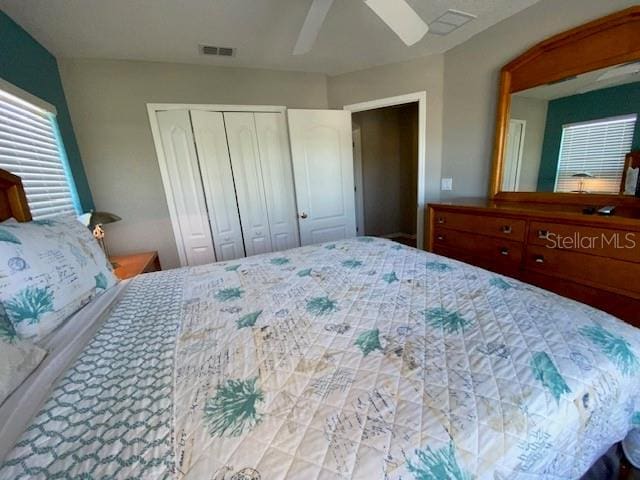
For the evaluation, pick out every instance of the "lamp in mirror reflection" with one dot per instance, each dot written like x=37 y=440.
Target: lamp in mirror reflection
x=95 y=221
x=582 y=179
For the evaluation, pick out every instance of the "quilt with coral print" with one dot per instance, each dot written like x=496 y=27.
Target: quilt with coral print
x=355 y=359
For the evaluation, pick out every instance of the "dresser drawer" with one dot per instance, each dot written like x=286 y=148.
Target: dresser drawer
x=501 y=255
x=501 y=227
x=606 y=273
x=603 y=242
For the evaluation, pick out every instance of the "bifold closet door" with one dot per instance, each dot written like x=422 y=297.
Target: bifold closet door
x=185 y=192
x=277 y=176
x=247 y=175
x=217 y=178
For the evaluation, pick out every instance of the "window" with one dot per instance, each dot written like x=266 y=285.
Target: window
x=592 y=154
x=30 y=147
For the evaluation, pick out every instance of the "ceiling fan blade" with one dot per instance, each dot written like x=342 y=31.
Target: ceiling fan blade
x=311 y=27
x=401 y=18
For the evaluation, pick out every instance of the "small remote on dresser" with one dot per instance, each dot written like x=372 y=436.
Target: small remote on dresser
x=607 y=210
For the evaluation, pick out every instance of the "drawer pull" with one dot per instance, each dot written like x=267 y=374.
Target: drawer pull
x=507 y=229
x=441 y=220
x=440 y=237
x=539 y=258
x=544 y=234
x=504 y=251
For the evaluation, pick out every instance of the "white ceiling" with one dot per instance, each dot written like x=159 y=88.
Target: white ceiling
x=263 y=31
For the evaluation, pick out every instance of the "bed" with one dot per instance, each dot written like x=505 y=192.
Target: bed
x=359 y=358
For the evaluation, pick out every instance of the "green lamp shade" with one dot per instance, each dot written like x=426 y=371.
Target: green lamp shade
x=92 y=219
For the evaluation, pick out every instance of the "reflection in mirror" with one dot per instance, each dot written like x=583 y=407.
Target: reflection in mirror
x=575 y=135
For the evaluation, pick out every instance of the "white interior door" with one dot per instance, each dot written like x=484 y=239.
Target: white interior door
x=275 y=162
x=217 y=178
x=323 y=173
x=185 y=184
x=247 y=175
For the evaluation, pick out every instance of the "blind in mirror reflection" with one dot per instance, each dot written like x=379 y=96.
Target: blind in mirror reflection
x=592 y=155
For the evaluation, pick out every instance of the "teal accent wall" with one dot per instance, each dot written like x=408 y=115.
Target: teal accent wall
x=28 y=65
x=608 y=102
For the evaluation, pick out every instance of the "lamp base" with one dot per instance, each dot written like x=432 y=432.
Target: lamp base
x=105 y=249
x=103 y=246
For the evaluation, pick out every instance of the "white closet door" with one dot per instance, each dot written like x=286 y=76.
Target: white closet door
x=322 y=157
x=245 y=161
x=215 y=166
x=275 y=162
x=186 y=195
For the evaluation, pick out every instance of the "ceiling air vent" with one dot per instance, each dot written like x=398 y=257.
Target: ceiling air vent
x=449 y=21
x=219 y=51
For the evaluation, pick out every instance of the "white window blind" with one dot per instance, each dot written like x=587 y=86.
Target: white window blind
x=30 y=147
x=596 y=148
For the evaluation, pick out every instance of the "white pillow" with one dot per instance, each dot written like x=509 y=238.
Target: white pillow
x=18 y=358
x=48 y=270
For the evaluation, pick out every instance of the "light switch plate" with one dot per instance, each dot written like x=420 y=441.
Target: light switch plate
x=446 y=184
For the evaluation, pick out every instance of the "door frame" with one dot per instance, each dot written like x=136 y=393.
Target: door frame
x=421 y=98
x=518 y=165
x=152 y=110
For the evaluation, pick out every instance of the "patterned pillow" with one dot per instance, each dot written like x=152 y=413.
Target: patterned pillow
x=48 y=270
x=18 y=358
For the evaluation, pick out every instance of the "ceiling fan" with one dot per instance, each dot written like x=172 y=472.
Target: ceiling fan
x=397 y=14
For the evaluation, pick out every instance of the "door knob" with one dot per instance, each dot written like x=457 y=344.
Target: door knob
x=303 y=215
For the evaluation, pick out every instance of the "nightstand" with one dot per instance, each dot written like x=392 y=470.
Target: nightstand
x=127 y=266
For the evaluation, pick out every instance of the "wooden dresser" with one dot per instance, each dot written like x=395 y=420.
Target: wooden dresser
x=590 y=258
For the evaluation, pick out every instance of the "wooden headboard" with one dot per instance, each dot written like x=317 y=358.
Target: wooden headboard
x=13 y=201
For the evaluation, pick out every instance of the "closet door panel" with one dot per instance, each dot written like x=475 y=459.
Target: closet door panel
x=275 y=162
x=186 y=192
x=245 y=162
x=215 y=166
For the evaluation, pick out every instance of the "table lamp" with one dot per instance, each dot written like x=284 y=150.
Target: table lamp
x=95 y=220
x=582 y=176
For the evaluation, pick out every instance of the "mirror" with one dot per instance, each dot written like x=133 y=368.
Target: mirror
x=567 y=128
x=574 y=135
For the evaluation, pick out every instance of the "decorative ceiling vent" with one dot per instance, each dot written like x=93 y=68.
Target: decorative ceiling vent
x=449 y=21
x=219 y=51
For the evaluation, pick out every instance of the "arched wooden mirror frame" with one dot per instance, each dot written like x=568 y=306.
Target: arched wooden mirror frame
x=608 y=41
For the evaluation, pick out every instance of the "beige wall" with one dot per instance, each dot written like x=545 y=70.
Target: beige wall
x=107 y=100
x=534 y=112
x=471 y=83
x=389 y=168
x=397 y=79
